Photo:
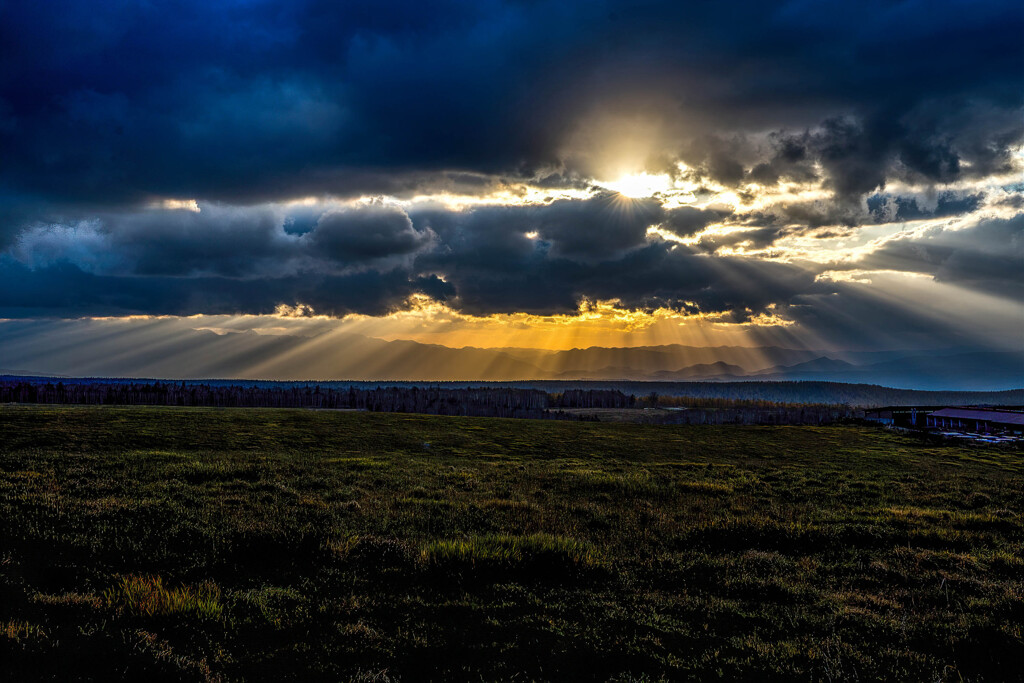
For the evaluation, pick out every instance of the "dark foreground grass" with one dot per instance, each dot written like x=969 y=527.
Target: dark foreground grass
x=197 y=544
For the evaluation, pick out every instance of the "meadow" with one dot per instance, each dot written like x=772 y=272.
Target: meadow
x=199 y=544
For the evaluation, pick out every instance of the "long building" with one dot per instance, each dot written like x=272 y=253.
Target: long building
x=977 y=420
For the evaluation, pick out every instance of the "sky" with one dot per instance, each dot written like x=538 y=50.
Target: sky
x=823 y=175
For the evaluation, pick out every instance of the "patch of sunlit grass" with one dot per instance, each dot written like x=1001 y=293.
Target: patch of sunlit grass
x=147 y=596
x=502 y=549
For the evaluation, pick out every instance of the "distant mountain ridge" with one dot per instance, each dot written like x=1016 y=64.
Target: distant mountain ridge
x=334 y=356
x=819 y=364
x=716 y=369
x=974 y=371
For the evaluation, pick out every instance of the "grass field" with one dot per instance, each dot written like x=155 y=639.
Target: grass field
x=244 y=544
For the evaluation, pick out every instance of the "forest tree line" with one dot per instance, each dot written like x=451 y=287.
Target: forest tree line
x=433 y=400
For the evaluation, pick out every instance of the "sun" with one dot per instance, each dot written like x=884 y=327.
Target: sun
x=640 y=185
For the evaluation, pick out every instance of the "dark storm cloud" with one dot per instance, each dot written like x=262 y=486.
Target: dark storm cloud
x=886 y=209
x=227 y=241
x=791 y=158
x=221 y=240
x=494 y=266
x=859 y=155
x=65 y=289
x=676 y=277
x=598 y=228
x=480 y=261
x=1015 y=201
x=915 y=144
x=657 y=275
x=107 y=107
x=110 y=102
x=758 y=238
x=809 y=214
x=368 y=259
x=354 y=235
x=687 y=220
x=809 y=217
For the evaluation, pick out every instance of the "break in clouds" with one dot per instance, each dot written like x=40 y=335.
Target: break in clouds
x=350 y=156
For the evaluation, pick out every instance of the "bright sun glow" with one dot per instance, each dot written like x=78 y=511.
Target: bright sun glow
x=640 y=185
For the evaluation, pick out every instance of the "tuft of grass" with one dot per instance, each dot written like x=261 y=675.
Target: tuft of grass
x=342 y=548
x=707 y=487
x=147 y=596
x=71 y=600
x=20 y=631
x=502 y=549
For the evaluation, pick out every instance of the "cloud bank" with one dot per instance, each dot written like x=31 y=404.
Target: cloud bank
x=234 y=157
